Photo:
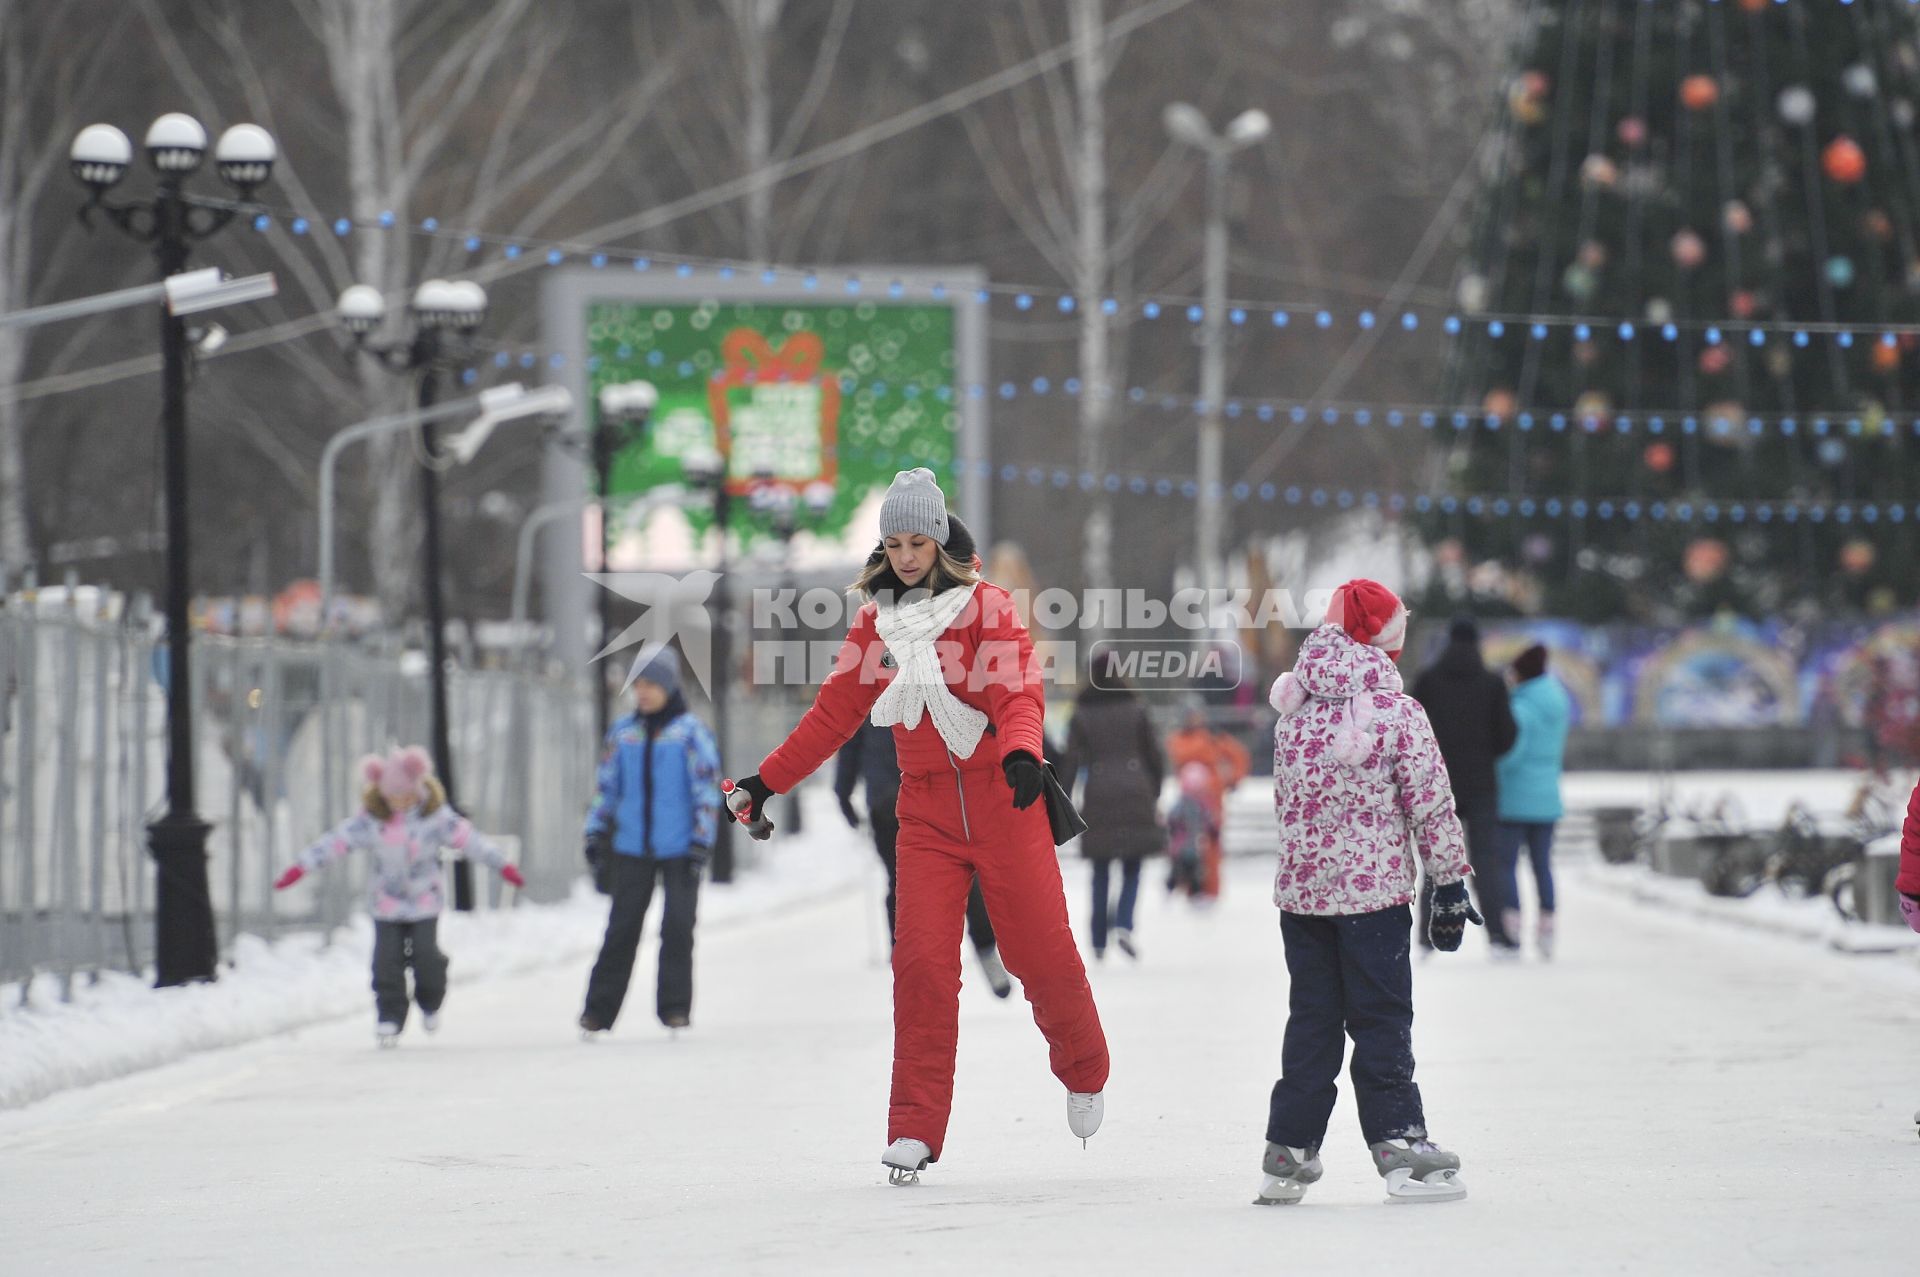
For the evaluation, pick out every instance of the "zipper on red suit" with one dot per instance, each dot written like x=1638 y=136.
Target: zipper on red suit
x=960 y=787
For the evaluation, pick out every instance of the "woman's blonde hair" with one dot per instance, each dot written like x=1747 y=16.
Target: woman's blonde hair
x=945 y=573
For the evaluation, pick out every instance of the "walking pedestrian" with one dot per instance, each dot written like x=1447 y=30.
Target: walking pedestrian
x=1111 y=744
x=941 y=656
x=869 y=756
x=1361 y=793
x=1529 y=782
x=1467 y=705
x=654 y=816
x=405 y=825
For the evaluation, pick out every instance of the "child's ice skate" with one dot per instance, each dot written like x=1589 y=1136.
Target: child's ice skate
x=1543 y=937
x=1418 y=1170
x=591 y=1028
x=1289 y=1171
x=386 y=1035
x=1084 y=1113
x=996 y=971
x=1123 y=940
x=430 y=1021
x=905 y=1159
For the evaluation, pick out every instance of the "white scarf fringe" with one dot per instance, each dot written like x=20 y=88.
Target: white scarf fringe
x=910 y=630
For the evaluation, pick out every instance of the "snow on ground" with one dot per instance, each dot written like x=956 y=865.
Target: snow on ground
x=1667 y=1097
x=122 y=1024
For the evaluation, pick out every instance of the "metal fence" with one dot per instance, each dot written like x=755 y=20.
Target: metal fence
x=279 y=727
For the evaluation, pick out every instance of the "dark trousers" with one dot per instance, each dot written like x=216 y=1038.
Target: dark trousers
x=397 y=946
x=633 y=879
x=1122 y=915
x=1490 y=873
x=1535 y=838
x=886 y=833
x=1348 y=976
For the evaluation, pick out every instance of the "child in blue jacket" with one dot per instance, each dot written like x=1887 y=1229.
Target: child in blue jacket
x=654 y=818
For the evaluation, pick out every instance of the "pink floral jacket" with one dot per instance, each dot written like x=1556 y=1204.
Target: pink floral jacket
x=1359 y=785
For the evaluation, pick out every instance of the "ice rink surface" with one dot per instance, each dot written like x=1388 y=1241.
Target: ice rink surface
x=1669 y=1096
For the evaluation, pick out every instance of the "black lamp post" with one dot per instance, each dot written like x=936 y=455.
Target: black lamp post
x=622 y=421
x=707 y=471
x=444 y=316
x=781 y=505
x=185 y=947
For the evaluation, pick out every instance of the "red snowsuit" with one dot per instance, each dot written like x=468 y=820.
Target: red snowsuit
x=1908 y=880
x=957 y=818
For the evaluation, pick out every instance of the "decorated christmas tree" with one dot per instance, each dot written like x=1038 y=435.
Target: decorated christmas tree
x=1681 y=345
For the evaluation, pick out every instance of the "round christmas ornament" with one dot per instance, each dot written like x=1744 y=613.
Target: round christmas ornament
x=1705 y=559
x=1698 y=92
x=1724 y=420
x=1499 y=402
x=1856 y=558
x=1472 y=293
x=1659 y=310
x=1659 y=457
x=1754 y=6
x=1743 y=303
x=1831 y=452
x=1840 y=271
x=1592 y=409
x=1592 y=255
x=1737 y=217
x=1689 y=250
x=1860 y=81
x=1715 y=360
x=1632 y=131
x=1886 y=359
x=1844 y=161
x=1527 y=97
x=1877 y=225
x=1579 y=283
x=1599 y=172
x=1779 y=362
x=1796 y=104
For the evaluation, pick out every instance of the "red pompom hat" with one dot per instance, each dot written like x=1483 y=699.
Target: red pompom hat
x=1370 y=613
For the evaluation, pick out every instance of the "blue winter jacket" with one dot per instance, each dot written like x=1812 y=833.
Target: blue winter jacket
x=660 y=797
x=1529 y=773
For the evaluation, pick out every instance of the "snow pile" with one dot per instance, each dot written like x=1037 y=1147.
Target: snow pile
x=121 y=1025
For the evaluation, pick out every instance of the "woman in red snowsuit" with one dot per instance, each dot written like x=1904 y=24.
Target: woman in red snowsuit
x=942 y=657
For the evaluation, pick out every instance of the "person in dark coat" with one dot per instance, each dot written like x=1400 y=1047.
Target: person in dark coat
x=1111 y=743
x=1473 y=721
x=868 y=758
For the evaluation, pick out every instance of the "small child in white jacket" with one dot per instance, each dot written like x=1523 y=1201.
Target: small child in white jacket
x=405 y=824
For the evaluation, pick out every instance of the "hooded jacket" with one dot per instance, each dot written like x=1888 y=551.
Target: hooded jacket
x=987 y=662
x=404 y=882
x=1360 y=789
x=1529 y=773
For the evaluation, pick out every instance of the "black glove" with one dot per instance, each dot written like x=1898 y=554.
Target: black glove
x=756 y=789
x=1452 y=911
x=1024 y=776
x=848 y=810
x=598 y=846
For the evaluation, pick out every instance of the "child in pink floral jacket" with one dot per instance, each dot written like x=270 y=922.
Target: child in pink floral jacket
x=1363 y=801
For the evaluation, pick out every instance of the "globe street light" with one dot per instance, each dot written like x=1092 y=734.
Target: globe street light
x=172 y=221
x=1186 y=124
x=443 y=315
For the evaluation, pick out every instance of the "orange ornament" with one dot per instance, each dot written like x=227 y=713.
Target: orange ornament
x=1844 y=161
x=1886 y=358
x=1698 y=92
x=1499 y=403
x=1754 y=6
x=1659 y=457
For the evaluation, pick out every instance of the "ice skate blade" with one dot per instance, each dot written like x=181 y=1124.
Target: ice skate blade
x=1275 y=1191
x=901 y=1177
x=1440 y=1186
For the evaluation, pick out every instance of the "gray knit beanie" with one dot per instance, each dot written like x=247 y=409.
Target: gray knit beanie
x=914 y=504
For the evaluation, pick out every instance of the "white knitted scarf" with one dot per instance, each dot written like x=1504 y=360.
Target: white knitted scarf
x=909 y=630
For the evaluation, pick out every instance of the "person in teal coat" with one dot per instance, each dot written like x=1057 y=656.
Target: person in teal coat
x=1529 y=780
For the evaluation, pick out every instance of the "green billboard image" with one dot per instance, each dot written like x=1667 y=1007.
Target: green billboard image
x=798 y=394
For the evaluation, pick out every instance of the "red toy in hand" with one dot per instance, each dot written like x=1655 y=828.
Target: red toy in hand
x=512 y=874
x=293 y=874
